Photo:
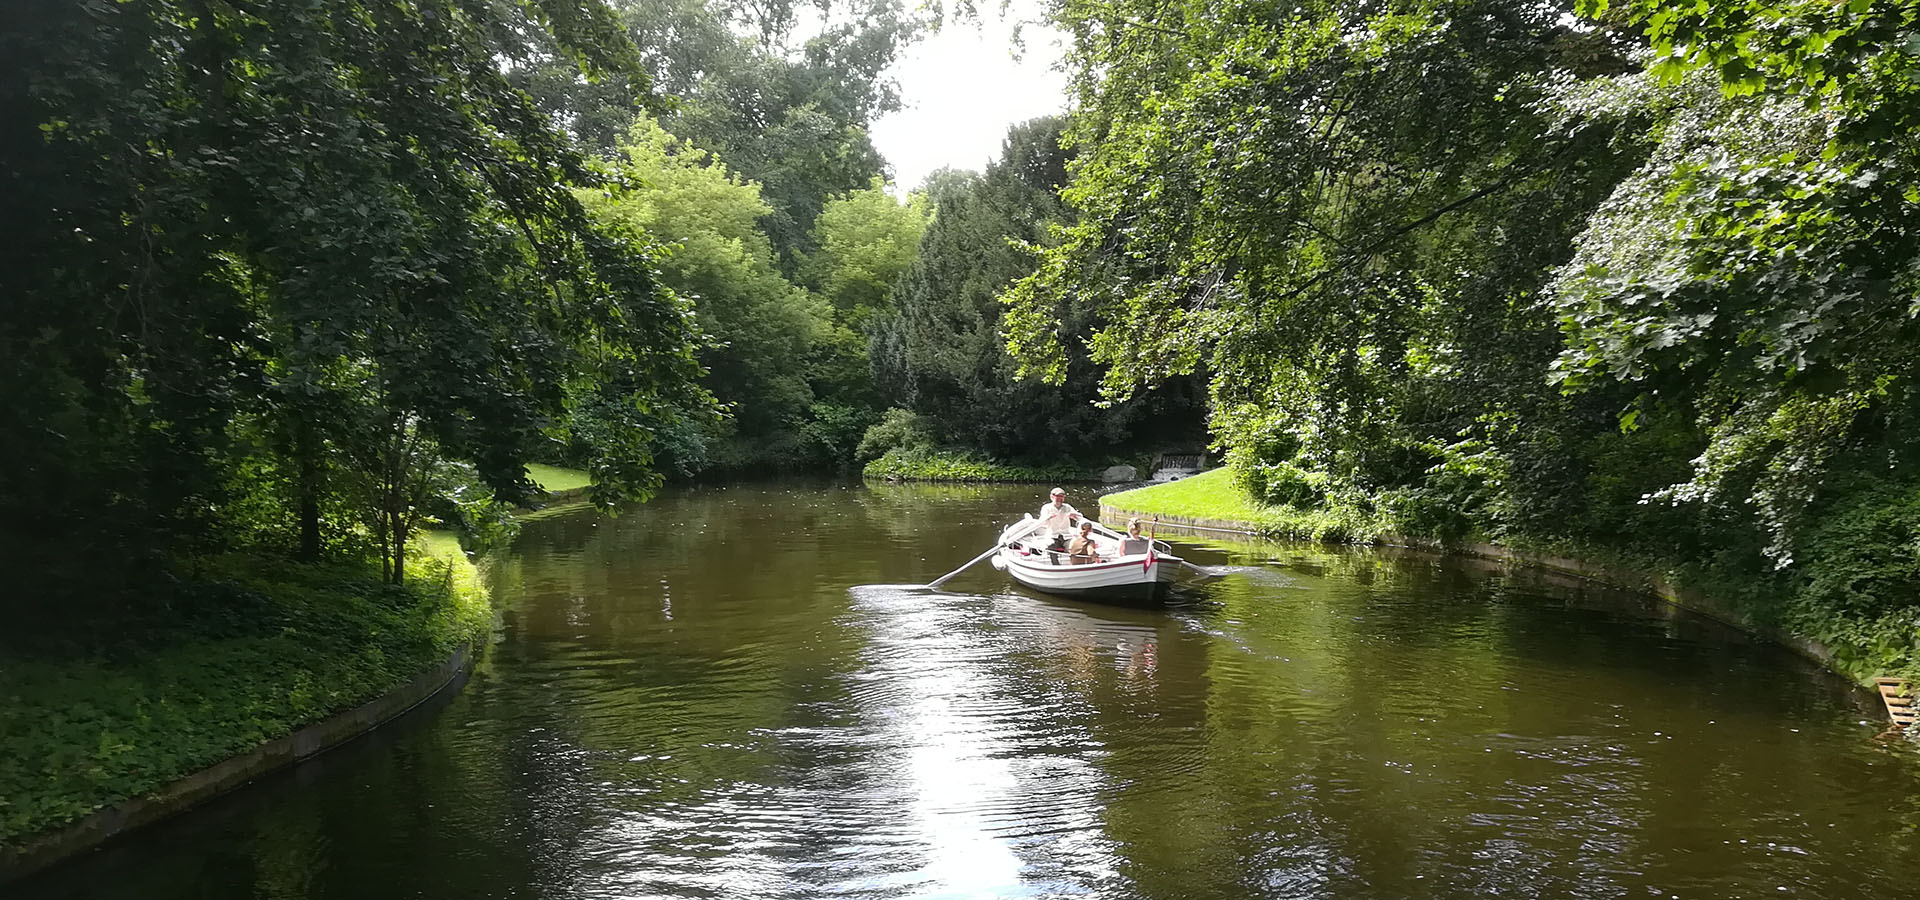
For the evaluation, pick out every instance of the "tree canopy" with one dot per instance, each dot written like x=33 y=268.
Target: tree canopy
x=1344 y=214
x=942 y=354
x=324 y=243
x=1638 y=276
x=787 y=107
x=718 y=259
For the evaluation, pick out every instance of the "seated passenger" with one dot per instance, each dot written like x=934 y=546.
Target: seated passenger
x=1082 y=548
x=1133 y=544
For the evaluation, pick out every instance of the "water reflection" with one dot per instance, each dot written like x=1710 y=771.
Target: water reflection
x=700 y=699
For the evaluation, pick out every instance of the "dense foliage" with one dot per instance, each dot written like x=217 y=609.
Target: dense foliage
x=285 y=275
x=723 y=263
x=1637 y=279
x=789 y=362
x=783 y=92
x=941 y=353
x=221 y=670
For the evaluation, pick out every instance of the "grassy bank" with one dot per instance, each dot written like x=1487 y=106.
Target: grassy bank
x=1212 y=495
x=244 y=650
x=234 y=652
x=555 y=480
x=967 y=467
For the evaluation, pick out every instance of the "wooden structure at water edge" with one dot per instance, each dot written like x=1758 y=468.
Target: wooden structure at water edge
x=1899 y=699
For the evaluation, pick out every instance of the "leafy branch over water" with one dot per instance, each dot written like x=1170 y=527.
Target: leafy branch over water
x=1637 y=277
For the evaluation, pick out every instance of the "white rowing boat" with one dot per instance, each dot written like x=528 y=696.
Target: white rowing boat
x=1128 y=570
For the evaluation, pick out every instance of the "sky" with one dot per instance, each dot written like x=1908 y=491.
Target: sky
x=961 y=88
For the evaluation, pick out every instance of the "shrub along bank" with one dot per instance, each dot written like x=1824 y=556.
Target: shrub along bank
x=244 y=651
x=920 y=464
x=1853 y=593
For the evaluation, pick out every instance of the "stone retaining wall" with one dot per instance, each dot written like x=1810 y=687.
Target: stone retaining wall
x=53 y=846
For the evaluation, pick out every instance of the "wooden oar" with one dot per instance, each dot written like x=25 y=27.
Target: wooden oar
x=937 y=582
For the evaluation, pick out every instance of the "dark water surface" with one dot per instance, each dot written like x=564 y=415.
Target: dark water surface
x=698 y=699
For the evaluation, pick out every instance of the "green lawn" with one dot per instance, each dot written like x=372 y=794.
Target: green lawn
x=554 y=479
x=1208 y=495
x=441 y=545
x=1213 y=495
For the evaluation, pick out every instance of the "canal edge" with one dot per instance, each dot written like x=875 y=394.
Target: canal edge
x=1611 y=576
x=103 y=825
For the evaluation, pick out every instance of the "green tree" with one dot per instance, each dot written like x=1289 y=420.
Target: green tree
x=1763 y=263
x=797 y=123
x=941 y=353
x=786 y=106
x=866 y=240
x=1344 y=214
x=763 y=327
x=276 y=221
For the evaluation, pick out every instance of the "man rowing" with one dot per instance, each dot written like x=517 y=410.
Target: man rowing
x=1059 y=517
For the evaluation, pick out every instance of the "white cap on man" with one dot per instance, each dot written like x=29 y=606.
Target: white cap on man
x=1057 y=493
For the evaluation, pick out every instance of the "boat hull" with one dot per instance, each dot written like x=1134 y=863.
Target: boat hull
x=1141 y=579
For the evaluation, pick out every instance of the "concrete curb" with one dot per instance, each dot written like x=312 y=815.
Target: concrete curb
x=1611 y=576
x=98 y=827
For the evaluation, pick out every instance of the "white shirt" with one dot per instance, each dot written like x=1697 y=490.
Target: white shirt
x=1058 y=517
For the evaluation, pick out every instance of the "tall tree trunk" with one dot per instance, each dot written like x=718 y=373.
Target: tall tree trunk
x=381 y=530
x=307 y=448
x=400 y=552
x=395 y=499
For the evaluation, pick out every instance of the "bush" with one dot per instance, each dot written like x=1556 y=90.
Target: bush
x=898 y=429
x=962 y=466
x=1856 y=591
x=834 y=432
x=1281 y=484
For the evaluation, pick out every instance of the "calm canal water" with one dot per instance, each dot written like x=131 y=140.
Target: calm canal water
x=700 y=699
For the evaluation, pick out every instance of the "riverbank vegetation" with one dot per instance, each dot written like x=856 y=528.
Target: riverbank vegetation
x=969 y=466
x=1217 y=496
x=286 y=287
x=232 y=657
x=1637 y=277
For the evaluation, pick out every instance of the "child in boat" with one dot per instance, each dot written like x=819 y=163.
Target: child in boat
x=1082 y=548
